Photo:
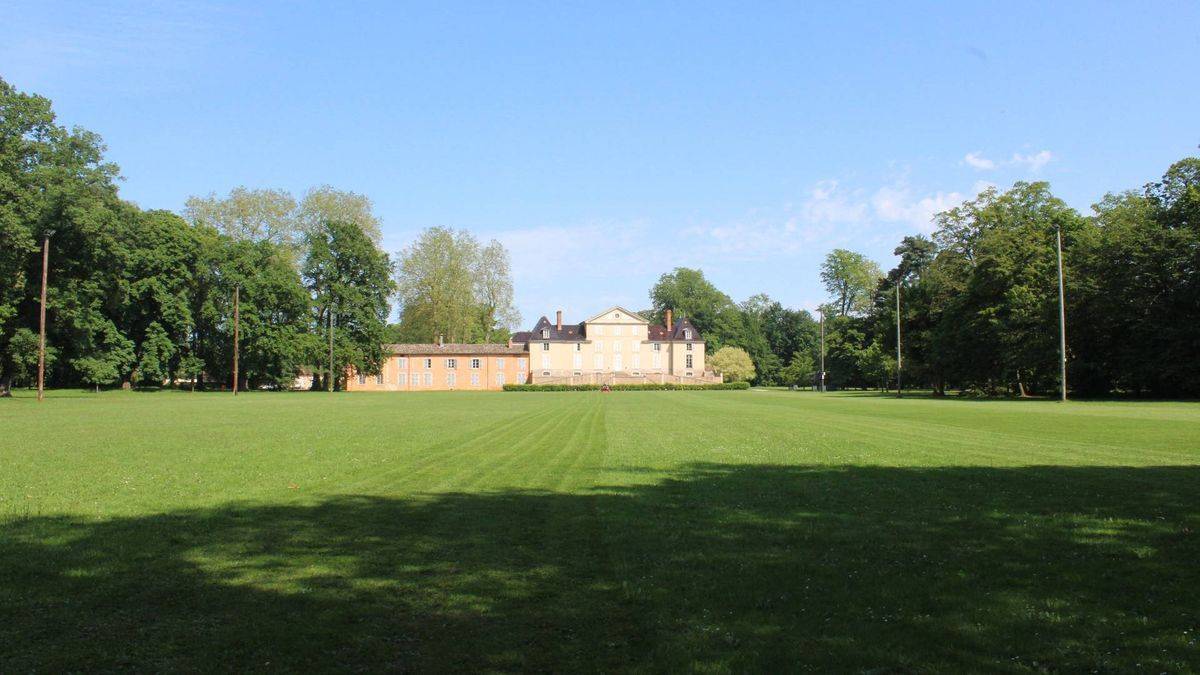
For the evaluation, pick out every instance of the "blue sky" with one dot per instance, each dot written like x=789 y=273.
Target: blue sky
x=747 y=139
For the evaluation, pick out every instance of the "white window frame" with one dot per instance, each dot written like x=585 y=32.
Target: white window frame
x=687 y=333
x=402 y=363
x=545 y=361
x=521 y=363
x=428 y=378
x=379 y=377
x=687 y=361
x=451 y=380
x=657 y=347
x=689 y=346
x=545 y=346
x=499 y=379
x=362 y=378
x=402 y=377
x=474 y=364
x=500 y=362
x=545 y=333
x=415 y=381
x=474 y=379
x=428 y=364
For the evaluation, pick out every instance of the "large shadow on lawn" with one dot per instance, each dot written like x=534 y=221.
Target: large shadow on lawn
x=723 y=567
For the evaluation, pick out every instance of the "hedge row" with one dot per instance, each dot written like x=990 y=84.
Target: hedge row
x=652 y=386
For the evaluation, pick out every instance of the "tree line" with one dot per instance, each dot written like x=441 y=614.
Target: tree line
x=979 y=305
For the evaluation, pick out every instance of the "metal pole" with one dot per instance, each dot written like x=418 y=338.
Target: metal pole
x=236 y=318
x=329 y=384
x=1062 y=317
x=899 y=361
x=42 y=321
x=822 y=311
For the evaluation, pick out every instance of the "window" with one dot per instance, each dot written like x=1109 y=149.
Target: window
x=689 y=346
x=545 y=360
x=657 y=360
x=687 y=360
x=545 y=372
x=401 y=377
x=499 y=379
x=362 y=379
x=451 y=379
x=521 y=364
x=545 y=346
x=416 y=379
x=687 y=334
x=474 y=379
x=545 y=333
x=635 y=345
x=475 y=364
x=428 y=379
x=500 y=363
x=428 y=363
x=578 y=346
x=577 y=361
x=617 y=315
x=521 y=377
x=616 y=330
x=402 y=363
x=633 y=330
x=616 y=346
x=598 y=361
x=598 y=345
x=451 y=363
x=599 y=330
x=637 y=360
x=379 y=377
x=577 y=372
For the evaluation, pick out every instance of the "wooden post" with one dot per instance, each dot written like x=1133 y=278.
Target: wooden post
x=329 y=378
x=1062 y=318
x=822 y=311
x=899 y=362
x=236 y=293
x=42 y=330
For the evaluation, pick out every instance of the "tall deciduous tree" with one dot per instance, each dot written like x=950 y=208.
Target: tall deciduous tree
x=850 y=278
x=449 y=285
x=347 y=275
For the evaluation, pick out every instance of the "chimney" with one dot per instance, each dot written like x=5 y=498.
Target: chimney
x=441 y=340
x=670 y=322
x=510 y=342
x=558 y=320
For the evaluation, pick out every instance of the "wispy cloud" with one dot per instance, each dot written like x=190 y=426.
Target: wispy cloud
x=1034 y=162
x=977 y=161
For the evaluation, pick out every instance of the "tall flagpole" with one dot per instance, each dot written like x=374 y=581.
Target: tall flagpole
x=1062 y=318
x=42 y=330
x=899 y=362
x=822 y=311
x=236 y=294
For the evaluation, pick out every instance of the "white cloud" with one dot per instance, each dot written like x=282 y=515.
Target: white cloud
x=828 y=203
x=1033 y=162
x=896 y=203
x=977 y=161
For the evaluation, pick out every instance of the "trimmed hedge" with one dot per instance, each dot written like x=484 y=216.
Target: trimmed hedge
x=653 y=386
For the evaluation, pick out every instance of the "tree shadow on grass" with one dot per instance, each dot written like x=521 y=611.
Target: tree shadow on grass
x=717 y=567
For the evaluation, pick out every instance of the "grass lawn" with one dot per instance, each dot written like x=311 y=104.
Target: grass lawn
x=716 y=531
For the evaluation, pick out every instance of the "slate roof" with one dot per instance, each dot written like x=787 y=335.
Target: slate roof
x=659 y=333
x=575 y=332
x=454 y=349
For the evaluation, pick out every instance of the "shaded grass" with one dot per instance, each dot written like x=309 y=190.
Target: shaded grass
x=725 y=531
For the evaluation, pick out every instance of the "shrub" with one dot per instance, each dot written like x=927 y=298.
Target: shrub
x=653 y=386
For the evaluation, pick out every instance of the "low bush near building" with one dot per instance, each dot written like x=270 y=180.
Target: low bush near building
x=653 y=386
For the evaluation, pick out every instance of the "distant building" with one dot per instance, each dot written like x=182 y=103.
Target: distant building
x=616 y=346
x=445 y=366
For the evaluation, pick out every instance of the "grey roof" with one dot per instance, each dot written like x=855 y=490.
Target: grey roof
x=575 y=333
x=454 y=349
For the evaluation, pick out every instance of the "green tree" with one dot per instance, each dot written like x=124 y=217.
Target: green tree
x=251 y=215
x=851 y=279
x=689 y=294
x=733 y=363
x=326 y=204
x=450 y=285
x=347 y=275
x=800 y=371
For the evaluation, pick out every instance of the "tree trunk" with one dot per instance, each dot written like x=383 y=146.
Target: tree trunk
x=5 y=386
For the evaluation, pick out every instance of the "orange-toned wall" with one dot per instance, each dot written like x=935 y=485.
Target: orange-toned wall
x=487 y=371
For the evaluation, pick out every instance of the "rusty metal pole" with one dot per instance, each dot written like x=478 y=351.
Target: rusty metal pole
x=42 y=330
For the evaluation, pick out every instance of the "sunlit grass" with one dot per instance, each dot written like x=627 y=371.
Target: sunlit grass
x=726 y=531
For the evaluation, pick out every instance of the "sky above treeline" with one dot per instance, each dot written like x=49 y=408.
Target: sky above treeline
x=605 y=144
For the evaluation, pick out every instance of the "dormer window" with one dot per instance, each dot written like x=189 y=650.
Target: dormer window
x=687 y=334
x=545 y=333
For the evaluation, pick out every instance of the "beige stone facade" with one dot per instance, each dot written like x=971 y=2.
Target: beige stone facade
x=615 y=346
